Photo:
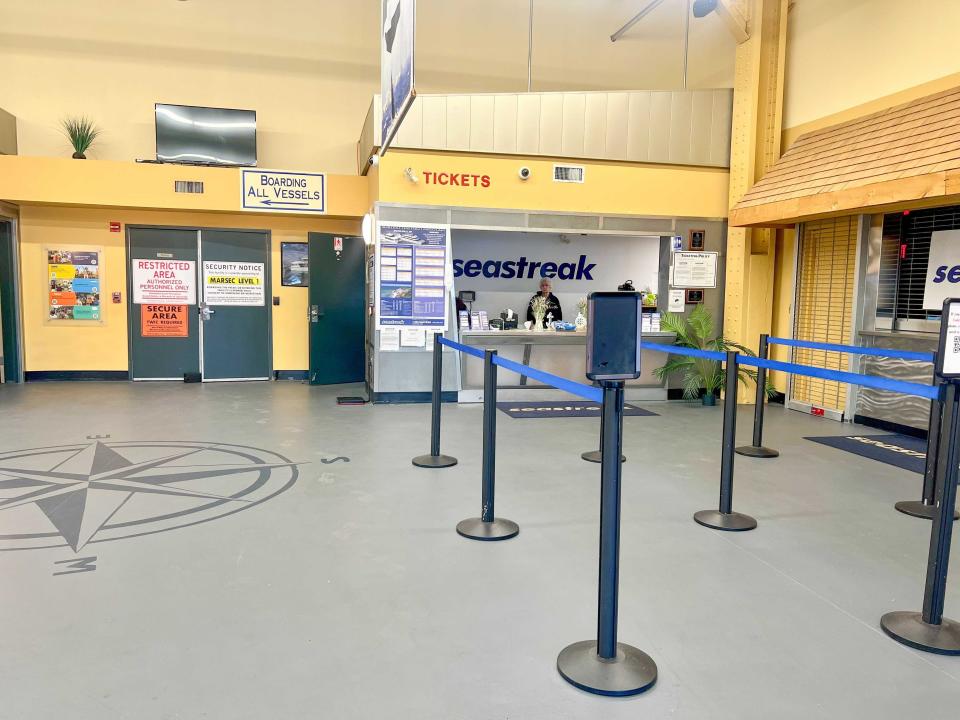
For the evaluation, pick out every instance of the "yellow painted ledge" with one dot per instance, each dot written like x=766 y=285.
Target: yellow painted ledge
x=148 y=186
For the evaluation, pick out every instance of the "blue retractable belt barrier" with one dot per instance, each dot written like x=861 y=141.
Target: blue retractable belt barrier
x=680 y=350
x=462 y=348
x=854 y=349
x=587 y=392
x=880 y=383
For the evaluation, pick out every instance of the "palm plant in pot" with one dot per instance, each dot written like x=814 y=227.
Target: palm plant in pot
x=81 y=131
x=701 y=376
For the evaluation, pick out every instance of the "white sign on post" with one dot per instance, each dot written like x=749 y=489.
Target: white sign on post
x=279 y=191
x=943 y=269
x=170 y=282
x=949 y=356
x=694 y=270
x=233 y=283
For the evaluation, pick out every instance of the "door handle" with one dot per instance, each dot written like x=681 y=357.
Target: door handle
x=315 y=313
x=206 y=312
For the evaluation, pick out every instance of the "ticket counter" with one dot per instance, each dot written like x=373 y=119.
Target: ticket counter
x=559 y=353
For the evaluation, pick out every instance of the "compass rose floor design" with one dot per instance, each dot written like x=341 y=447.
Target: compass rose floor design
x=252 y=550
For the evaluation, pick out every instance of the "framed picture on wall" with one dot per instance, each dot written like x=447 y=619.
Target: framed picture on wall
x=294 y=264
x=73 y=279
x=697 y=239
x=694 y=296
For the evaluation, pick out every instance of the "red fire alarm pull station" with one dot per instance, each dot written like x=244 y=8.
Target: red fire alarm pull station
x=114 y=226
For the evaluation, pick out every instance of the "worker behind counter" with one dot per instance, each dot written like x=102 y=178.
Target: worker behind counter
x=553 y=307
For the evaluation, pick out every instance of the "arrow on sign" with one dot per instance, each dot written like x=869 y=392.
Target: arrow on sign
x=276 y=202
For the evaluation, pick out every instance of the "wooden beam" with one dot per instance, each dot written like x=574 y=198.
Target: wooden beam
x=734 y=20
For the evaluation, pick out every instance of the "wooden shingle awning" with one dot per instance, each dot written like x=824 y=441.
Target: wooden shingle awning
x=907 y=156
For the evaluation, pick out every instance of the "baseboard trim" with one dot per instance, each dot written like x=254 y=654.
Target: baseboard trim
x=890 y=426
x=298 y=375
x=412 y=397
x=72 y=375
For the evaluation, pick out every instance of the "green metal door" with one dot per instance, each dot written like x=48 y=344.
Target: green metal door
x=164 y=326
x=235 y=305
x=9 y=314
x=336 y=309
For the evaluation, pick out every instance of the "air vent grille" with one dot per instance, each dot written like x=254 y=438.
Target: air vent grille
x=568 y=173
x=188 y=186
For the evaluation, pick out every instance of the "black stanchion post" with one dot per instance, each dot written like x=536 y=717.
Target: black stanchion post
x=487 y=526
x=929 y=630
x=756 y=449
x=924 y=507
x=725 y=518
x=594 y=456
x=435 y=459
x=605 y=666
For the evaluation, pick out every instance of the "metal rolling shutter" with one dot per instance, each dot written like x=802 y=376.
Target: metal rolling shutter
x=824 y=306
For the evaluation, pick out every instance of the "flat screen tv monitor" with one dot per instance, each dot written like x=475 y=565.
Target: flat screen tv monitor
x=206 y=136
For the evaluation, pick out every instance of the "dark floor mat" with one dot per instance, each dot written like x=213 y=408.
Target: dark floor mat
x=902 y=451
x=562 y=408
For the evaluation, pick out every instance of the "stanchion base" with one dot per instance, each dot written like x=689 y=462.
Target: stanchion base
x=757 y=452
x=596 y=456
x=733 y=521
x=910 y=629
x=434 y=461
x=630 y=673
x=498 y=529
x=918 y=508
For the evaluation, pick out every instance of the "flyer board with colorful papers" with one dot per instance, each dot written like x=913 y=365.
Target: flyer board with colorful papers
x=74 y=289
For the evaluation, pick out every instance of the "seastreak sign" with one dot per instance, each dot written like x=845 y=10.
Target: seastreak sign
x=279 y=191
x=506 y=269
x=943 y=269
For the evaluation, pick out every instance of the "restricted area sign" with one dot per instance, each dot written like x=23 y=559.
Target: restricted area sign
x=163 y=320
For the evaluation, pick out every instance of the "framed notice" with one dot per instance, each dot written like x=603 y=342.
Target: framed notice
x=73 y=289
x=413 y=275
x=696 y=239
x=163 y=281
x=694 y=270
x=294 y=264
x=694 y=296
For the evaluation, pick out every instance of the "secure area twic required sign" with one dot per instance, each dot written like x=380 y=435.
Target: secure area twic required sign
x=280 y=191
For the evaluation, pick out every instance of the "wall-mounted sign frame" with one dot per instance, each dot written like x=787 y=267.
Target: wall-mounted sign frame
x=74 y=281
x=697 y=239
x=294 y=264
x=694 y=269
x=414 y=274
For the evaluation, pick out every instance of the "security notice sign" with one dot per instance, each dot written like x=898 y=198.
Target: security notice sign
x=232 y=283
x=164 y=281
x=163 y=320
x=694 y=270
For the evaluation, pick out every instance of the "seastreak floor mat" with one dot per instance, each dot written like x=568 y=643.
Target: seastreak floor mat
x=562 y=408
x=902 y=451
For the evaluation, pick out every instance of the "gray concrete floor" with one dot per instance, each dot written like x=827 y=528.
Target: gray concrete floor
x=350 y=595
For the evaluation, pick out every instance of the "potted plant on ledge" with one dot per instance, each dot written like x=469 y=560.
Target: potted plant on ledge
x=81 y=132
x=701 y=376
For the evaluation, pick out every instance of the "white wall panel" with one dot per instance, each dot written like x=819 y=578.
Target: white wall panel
x=505 y=123
x=683 y=128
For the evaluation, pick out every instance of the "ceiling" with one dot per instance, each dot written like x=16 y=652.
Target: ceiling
x=462 y=45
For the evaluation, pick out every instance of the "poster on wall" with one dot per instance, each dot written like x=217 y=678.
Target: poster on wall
x=412 y=275
x=164 y=281
x=163 y=321
x=396 y=66
x=294 y=265
x=943 y=269
x=233 y=283
x=74 y=291
x=694 y=270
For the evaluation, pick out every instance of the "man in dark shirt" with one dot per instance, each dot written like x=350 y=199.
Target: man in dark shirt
x=553 y=306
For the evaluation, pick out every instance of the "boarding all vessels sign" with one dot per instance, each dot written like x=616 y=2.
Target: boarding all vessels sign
x=280 y=191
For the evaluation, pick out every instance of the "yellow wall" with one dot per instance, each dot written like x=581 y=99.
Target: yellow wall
x=608 y=187
x=844 y=53
x=125 y=184
x=103 y=346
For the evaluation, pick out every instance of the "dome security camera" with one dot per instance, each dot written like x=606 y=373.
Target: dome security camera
x=524 y=173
